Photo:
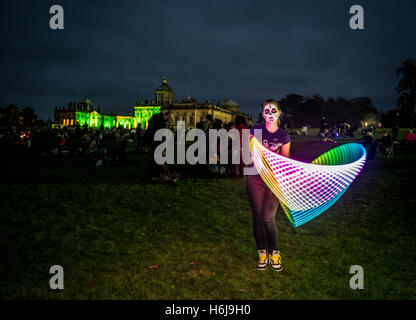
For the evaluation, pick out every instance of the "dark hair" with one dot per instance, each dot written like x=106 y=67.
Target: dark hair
x=240 y=120
x=217 y=124
x=272 y=101
x=208 y=117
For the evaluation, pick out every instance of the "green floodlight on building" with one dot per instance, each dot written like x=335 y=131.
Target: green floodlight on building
x=142 y=113
x=93 y=119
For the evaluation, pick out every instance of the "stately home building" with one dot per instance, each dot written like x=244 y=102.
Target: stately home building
x=188 y=110
x=85 y=114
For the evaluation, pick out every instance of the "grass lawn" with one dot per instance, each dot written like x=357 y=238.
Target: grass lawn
x=107 y=226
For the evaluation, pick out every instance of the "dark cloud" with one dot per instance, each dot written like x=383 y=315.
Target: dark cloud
x=116 y=52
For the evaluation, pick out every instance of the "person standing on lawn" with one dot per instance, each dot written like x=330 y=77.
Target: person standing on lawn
x=263 y=202
x=156 y=122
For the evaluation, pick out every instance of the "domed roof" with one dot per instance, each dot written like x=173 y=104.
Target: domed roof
x=188 y=99
x=87 y=101
x=229 y=104
x=164 y=86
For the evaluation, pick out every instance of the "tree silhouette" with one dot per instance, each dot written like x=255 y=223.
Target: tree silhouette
x=300 y=110
x=259 y=118
x=407 y=86
x=291 y=106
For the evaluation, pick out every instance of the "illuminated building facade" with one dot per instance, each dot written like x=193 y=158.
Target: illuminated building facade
x=191 y=111
x=188 y=110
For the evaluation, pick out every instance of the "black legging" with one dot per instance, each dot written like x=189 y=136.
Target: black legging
x=264 y=205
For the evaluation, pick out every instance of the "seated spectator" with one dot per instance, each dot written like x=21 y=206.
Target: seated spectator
x=334 y=131
x=410 y=136
x=324 y=125
x=304 y=130
x=368 y=142
x=327 y=136
x=384 y=142
x=343 y=129
x=139 y=137
x=351 y=131
x=117 y=150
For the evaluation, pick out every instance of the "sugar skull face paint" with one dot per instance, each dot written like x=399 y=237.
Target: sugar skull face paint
x=270 y=113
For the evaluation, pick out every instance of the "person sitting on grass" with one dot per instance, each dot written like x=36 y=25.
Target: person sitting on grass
x=324 y=124
x=368 y=143
x=343 y=129
x=334 y=132
x=384 y=142
x=351 y=131
x=410 y=137
x=304 y=130
x=139 y=137
x=117 y=149
x=327 y=136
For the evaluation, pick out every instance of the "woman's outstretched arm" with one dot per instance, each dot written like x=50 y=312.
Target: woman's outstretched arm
x=285 y=150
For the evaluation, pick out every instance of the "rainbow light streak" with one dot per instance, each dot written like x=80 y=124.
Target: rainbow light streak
x=305 y=190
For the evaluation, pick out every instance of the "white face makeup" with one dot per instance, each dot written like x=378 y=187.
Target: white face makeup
x=270 y=113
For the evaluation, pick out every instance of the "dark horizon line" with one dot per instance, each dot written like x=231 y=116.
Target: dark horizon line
x=379 y=109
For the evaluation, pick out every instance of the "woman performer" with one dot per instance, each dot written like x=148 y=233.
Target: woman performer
x=263 y=202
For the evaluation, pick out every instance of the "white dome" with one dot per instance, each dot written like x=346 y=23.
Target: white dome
x=229 y=104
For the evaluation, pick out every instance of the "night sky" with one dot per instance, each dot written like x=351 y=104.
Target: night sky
x=117 y=53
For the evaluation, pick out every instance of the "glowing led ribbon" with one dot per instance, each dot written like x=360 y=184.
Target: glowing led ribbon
x=305 y=190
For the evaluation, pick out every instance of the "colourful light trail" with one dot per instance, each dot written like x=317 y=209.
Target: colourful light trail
x=305 y=190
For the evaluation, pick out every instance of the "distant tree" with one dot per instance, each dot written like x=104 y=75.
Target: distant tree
x=342 y=107
x=331 y=110
x=407 y=92
x=313 y=109
x=292 y=107
x=407 y=86
x=362 y=109
x=260 y=118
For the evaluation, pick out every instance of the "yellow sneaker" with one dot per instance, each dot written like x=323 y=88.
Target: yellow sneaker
x=263 y=260
x=276 y=260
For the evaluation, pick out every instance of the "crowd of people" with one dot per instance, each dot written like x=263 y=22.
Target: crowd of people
x=329 y=133
x=212 y=166
x=380 y=146
x=383 y=146
x=108 y=146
